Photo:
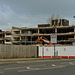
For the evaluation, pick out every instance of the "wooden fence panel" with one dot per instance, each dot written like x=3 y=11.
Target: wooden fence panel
x=17 y=51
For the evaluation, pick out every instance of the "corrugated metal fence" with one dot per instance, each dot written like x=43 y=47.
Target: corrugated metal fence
x=18 y=51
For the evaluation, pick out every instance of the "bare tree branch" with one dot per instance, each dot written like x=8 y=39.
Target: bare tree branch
x=49 y=20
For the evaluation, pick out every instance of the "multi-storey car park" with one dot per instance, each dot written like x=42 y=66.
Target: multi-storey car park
x=28 y=36
x=65 y=34
x=5 y=37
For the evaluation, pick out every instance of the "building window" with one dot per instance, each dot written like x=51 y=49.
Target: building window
x=8 y=34
x=7 y=40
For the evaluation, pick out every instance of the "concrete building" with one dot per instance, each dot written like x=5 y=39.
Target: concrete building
x=28 y=36
x=2 y=37
x=8 y=36
x=60 y=22
x=5 y=37
x=65 y=34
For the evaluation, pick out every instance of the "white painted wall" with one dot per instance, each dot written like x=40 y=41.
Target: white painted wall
x=48 y=51
x=8 y=35
x=8 y=42
x=66 y=51
x=62 y=51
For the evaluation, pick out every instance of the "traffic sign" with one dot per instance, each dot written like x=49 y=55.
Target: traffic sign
x=54 y=38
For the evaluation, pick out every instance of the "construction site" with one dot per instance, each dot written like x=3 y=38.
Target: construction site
x=29 y=42
x=25 y=36
x=5 y=37
x=32 y=36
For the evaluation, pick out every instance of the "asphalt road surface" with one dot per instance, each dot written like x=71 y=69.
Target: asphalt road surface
x=57 y=67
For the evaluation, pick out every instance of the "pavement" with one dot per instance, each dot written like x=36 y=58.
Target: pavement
x=28 y=59
x=44 y=67
x=25 y=59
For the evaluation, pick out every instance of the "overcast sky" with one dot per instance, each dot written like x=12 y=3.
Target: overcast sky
x=30 y=13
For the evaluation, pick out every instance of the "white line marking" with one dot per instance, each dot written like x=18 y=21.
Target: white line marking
x=70 y=63
x=14 y=68
x=28 y=68
x=40 y=69
x=23 y=67
x=53 y=65
x=23 y=70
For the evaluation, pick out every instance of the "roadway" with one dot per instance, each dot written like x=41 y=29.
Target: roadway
x=44 y=67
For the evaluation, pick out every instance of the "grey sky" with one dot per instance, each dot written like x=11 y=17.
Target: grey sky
x=30 y=13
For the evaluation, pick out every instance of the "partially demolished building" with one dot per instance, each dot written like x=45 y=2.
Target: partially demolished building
x=28 y=36
x=65 y=34
x=5 y=37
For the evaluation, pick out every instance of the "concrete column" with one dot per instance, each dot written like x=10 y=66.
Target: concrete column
x=20 y=31
x=74 y=36
x=20 y=37
x=25 y=39
x=55 y=30
x=38 y=30
x=5 y=35
x=4 y=41
x=38 y=33
x=31 y=39
x=61 y=22
x=74 y=31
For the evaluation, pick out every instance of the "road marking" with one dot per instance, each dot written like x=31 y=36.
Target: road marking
x=70 y=63
x=33 y=69
x=23 y=70
x=14 y=68
x=38 y=65
x=28 y=68
x=24 y=67
x=53 y=65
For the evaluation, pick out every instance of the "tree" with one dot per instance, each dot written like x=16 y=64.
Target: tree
x=49 y=20
x=57 y=17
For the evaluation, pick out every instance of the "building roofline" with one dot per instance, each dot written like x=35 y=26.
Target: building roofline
x=44 y=27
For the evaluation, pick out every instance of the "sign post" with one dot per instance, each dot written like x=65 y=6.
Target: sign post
x=43 y=49
x=54 y=50
x=54 y=41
